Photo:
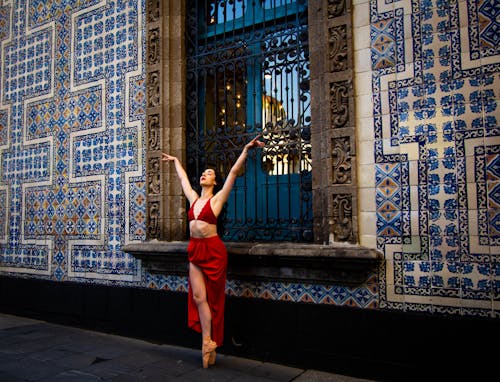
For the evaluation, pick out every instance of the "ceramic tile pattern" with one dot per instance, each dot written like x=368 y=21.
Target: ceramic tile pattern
x=72 y=185
x=72 y=128
x=437 y=224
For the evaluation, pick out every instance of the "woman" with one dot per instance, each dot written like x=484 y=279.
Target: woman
x=207 y=253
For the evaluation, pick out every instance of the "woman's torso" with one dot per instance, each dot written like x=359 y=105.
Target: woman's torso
x=202 y=220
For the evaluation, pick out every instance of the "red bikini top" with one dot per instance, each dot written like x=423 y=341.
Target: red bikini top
x=206 y=213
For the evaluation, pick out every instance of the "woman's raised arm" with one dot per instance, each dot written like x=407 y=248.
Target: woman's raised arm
x=223 y=194
x=191 y=194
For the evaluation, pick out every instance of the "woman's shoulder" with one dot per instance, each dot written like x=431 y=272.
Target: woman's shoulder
x=193 y=198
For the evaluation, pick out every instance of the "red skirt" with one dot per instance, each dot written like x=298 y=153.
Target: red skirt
x=210 y=255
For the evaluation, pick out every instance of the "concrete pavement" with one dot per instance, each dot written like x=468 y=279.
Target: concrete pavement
x=33 y=350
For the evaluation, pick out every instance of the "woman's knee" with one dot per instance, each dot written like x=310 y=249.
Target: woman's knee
x=199 y=298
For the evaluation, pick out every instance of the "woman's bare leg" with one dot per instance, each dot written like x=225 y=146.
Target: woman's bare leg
x=200 y=298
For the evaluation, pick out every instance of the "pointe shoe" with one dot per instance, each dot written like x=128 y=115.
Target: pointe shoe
x=211 y=359
x=208 y=352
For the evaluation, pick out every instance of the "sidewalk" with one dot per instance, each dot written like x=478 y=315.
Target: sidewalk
x=32 y=350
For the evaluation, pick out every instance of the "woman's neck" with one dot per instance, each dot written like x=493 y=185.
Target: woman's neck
x=206 y=193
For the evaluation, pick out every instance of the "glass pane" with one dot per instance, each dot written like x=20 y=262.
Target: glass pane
x=223 y=11
x=270 y=4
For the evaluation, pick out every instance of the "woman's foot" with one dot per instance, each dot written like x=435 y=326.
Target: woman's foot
x=208 y=352
x=211 y=359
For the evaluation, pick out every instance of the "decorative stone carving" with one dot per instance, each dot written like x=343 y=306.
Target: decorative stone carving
x=341 y=158
x=154 y=220
x=153 y=47
x=153 y=98
x=153 y=128
x=153 y=89
x=339 y=103
x=342 y=217
x=336 y=8
x=337 y=40
x=154 y=176
x=152 y=10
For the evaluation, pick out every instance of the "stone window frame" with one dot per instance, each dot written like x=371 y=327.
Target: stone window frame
x=334 y=256
x=332 y=111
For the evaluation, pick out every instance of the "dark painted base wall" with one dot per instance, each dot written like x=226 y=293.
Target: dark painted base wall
x=372 y=344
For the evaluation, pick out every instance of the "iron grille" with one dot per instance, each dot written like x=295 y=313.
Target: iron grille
x=248 y=73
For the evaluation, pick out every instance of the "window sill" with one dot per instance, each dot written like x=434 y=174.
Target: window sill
x=345 y=264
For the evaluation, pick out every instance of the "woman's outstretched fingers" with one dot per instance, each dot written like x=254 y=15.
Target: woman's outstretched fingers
x=259 y=143
x=256 y=143
x=165 y=157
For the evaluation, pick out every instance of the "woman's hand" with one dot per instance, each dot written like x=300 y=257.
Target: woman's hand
x=255 y=143
x=167 y=158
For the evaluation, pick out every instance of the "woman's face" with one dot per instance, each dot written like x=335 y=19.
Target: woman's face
x=207 y=178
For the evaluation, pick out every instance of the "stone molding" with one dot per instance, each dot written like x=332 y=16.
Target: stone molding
x=343 y=264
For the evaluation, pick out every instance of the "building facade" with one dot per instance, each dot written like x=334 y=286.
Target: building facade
x=395 y=167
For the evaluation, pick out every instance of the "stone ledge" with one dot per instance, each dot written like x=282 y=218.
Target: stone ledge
x=345 y=264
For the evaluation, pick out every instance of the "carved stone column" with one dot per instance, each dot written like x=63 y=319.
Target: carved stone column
x=165 y=116
x=333 y=139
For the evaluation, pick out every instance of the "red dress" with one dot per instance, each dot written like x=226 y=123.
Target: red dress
x=210 y=255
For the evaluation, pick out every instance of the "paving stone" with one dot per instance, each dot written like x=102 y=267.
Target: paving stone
x=212 y=374
x=75 y=361
x=319 y=376
x=30 y=369
x=72 y=376
x=141 y=358
x=6 y=377
x=39 y=351
x=275 y=372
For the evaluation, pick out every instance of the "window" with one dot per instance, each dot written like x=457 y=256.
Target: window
x=248 y=73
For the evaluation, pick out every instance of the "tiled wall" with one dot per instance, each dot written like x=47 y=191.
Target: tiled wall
x=71 y=138
x=427 y=75
x=72 y=187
